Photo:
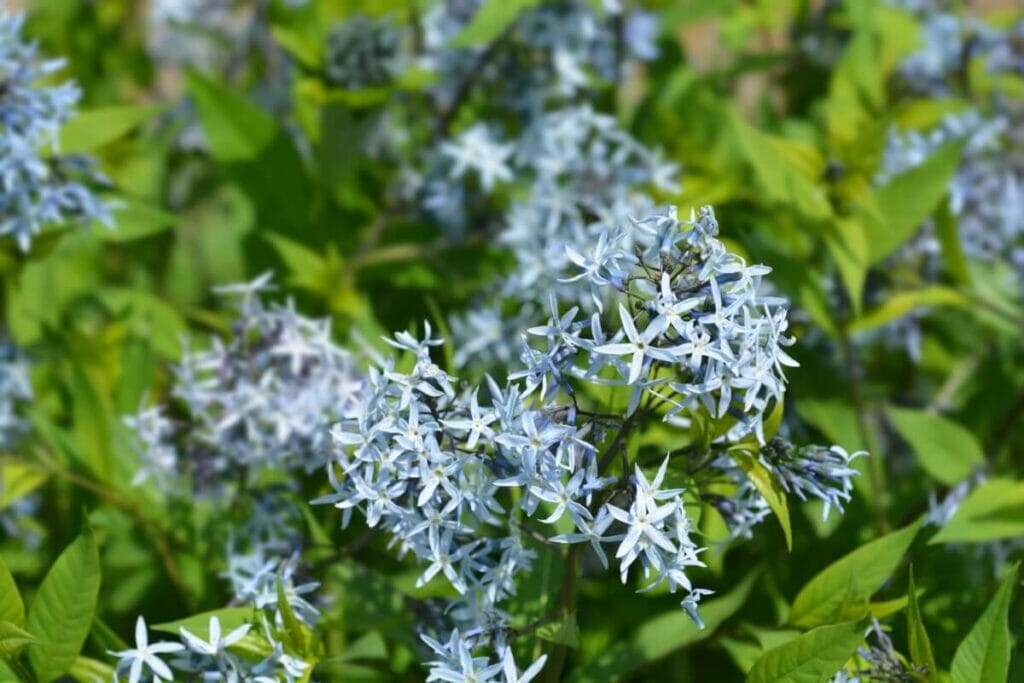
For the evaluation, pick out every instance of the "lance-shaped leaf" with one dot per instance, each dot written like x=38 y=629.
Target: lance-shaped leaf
x=851 y=580
x=61 y=612
x=11 y=608
x=813 y=657
x=984 y=655
x=917 y=634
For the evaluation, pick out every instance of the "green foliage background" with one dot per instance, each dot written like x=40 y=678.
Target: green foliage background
x=755 y=125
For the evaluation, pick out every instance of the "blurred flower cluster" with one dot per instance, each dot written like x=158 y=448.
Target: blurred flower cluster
x=249 y=410
x=964 y=57
x=38 y=185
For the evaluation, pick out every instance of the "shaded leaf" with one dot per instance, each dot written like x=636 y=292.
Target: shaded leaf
x=917 y=634
x=662 y=635
x=562 y=632
x=944 y=449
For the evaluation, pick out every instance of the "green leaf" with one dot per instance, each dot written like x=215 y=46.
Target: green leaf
x=813 y=657
x=13 y=638
x=490 y=21
x=993 y=511
x=952 y=248
x=984 y=655
x=849 y=247
x=307 y=268
x=562 y=632
x=17 y=480
x=297 y=634
x=660 y=636
x=148 y=317
x=900 y=304
x=767 y=485
x=370 y=646
x=902 y=205
x=11 y=608
x=258 y=154
x=199 y=624
x=945 y=450
x=851 y=580
x=91 y=427
x=86 y=669
x=133 y=219
x=90 y=130
x=784 y=170
x=62 y=610
x=917 y=635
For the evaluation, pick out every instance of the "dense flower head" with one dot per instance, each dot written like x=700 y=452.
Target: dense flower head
x=813 y=472
x=38 y=187
x=680 y=320
x=428 y=460
x=264 y=396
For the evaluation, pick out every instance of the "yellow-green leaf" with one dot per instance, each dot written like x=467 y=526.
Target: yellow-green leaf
x=851 y=580
x=62 y=610
x=13 y=638
x=944 y=449
x=993 y=511
x=815 y=656
x=767 y=485
x=11 y=608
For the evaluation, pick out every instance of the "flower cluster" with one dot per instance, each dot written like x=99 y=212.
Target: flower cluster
x=361 y=53
x=208 y=34
x=433 y=462
x=879 y=661
x=427 y=463
x=217 y=656
x=550 y=53
x=684 y=324
x=581 y=174
x=804 y=471
x=263 y=397
x=259 y=401
x=38 y=187
x=813 y=472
